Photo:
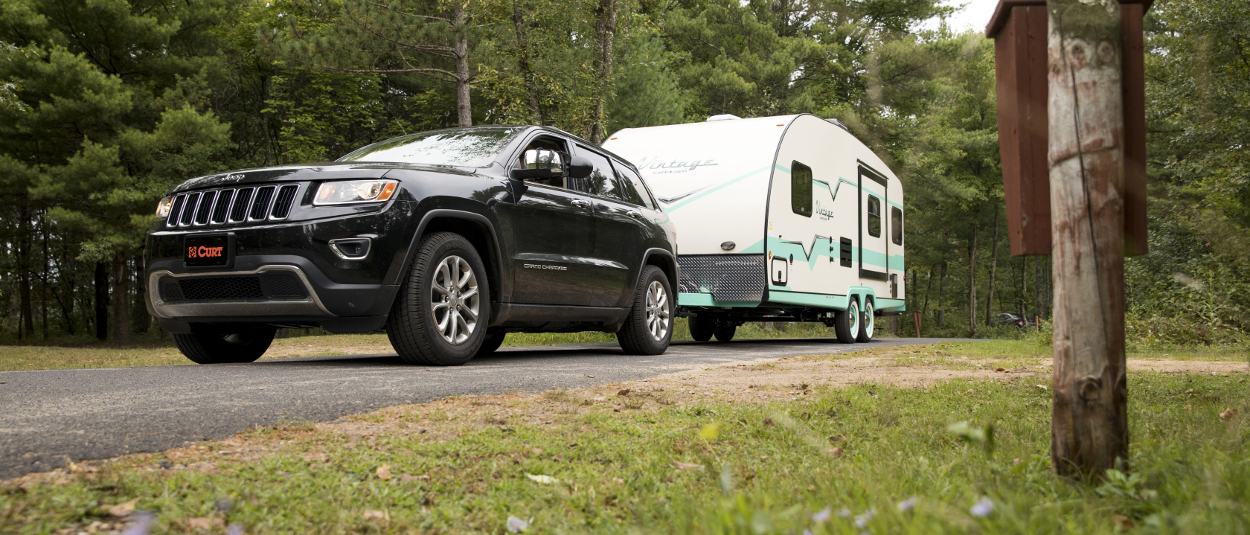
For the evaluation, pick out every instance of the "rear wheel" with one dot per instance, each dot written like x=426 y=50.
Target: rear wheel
x=225 y=348
x=725 y=331
x=866 y=324
x=846 y=322
x=649 y=327
x=439 y=316
x=702 y=327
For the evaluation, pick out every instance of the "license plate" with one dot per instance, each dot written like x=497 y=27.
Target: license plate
x=200 y=251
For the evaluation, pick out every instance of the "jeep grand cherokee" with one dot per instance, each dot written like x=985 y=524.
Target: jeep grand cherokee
x=446 y=240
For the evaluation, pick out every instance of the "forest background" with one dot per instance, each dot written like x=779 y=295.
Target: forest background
x=106 y=104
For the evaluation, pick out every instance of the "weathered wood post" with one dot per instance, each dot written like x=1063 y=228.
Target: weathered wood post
x=1089 y=429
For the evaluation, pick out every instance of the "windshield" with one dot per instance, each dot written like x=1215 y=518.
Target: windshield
x=469 y=147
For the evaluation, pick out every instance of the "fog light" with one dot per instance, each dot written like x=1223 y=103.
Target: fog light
x=351 y=248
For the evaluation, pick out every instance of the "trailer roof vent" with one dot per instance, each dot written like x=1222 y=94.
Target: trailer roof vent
x=838 y=124
x=723 y=117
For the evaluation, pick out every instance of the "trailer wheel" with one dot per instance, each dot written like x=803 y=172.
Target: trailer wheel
x=866 y=324
x=701 y=328
x=725 y=331
x=846 y=323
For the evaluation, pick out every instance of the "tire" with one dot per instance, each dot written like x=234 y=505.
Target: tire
x=725 y=331
x=428 y=321
x=866 y=323
x=649 y=327
x=225 y=348
x=490 y=344
x=701 y=330
x=846 y=323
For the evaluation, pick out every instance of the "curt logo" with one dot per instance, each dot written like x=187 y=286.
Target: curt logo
x=204 y=252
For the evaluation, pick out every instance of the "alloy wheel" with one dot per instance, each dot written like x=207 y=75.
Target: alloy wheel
x=455 y=302
x=658 y=317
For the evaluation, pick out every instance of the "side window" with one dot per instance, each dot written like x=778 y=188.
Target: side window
x=874 y=216
x=602 y=181
x=896 y=226
x=801 y=189
x=549 y=143
x=631 y=185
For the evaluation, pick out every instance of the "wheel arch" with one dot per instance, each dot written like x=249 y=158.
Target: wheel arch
x=476 y=228
x=666 y=262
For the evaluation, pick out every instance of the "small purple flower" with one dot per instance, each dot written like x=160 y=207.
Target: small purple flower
x=824 y=515
x=142 y=524
x=982 y=508
x=807 y=532
x=862 y=520
x=907 y=505
x=234 y=529
x=844 y=513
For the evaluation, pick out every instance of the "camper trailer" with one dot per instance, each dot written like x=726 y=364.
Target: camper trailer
x=785 y=218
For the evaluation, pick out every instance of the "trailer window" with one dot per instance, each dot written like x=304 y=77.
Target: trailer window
x=801 y=189
x=896 y=226
x=874 y=216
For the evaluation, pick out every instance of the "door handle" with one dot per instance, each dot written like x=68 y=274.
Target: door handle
x=580 y=203
x=634 y=214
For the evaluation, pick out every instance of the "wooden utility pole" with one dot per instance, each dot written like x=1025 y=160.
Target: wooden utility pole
x=1089 y=429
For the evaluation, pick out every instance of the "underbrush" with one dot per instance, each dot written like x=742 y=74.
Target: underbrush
x=959 y=456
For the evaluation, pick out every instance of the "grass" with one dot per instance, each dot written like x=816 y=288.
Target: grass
x=154 y=352
x=658 y=460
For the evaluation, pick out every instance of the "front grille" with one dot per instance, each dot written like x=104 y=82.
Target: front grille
x=232 y=206
x=268 y=285
x=221 y=288
x=729 y=277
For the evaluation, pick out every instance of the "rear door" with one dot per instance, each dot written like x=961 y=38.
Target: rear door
x=619 y=234
x=873 y=238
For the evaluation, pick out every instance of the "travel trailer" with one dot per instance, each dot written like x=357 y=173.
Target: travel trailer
x=786 y=218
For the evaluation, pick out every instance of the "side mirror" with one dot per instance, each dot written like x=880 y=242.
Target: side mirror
x=580 y=167
x=539 y=163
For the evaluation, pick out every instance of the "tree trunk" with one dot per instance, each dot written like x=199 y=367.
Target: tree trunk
x=101 y=302
x=1024 y=287
x=972 y=282
x=927 y=286
x=940 y=311
x=523 y=61
x=121 y=308
x=463 y=78
x=26 y=327
x=605 y=31
x=43 y=286
x=989 y=298
x=1089 y=426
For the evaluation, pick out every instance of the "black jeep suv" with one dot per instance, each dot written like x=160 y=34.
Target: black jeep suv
x=446 y=240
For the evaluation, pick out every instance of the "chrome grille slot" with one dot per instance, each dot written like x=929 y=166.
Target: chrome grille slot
x=174 y=212
x=239 y=211
x=206 y=207
x=260 y=205
x=223 y=206
x=188 y=210
x=283 y=202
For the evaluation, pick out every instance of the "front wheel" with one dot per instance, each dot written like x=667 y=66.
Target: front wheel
x=649 y=327
x=867 y=323
x=225 y=348
x=846 y=322
x=439 y=317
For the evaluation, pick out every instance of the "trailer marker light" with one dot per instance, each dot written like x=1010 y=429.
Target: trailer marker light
x=782 y=124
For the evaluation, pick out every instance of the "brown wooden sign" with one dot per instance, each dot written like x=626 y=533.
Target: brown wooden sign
x=1019 y=31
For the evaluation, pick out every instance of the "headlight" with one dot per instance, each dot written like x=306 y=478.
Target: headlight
x=354 y=191
x=162 y=208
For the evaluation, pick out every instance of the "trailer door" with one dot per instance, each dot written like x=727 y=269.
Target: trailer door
x=873 y=238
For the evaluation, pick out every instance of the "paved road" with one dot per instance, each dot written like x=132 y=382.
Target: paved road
x=50 y=417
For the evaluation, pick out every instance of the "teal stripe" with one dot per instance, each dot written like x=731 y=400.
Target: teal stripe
x=897 y=205
x=706 y=300
x=674 y=207
x=782 y=169
x=757 y=248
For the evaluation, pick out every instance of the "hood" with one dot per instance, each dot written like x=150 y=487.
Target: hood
x=308 y=172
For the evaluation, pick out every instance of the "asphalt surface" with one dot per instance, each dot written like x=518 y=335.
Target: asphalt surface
x=51 y=417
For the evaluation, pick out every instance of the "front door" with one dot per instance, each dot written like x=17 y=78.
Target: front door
x=550 y=231
x=873 y=238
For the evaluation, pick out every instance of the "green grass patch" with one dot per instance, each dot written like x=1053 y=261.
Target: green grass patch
x=691 y=467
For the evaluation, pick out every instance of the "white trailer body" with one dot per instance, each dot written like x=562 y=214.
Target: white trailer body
x=789 y=213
